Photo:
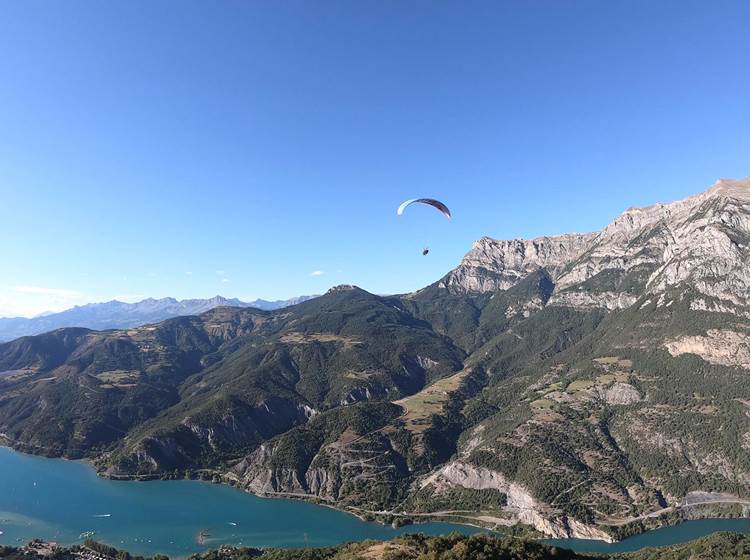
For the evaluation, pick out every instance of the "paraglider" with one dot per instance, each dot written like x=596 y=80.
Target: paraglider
x=442 y=208
x=439 y=206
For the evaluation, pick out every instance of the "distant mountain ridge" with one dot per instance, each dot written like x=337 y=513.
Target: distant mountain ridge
x=120 y=315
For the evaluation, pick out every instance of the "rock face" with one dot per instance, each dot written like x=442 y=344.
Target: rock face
x=344 y=467
x=703 y=239
x=724 y=347
x=522 y=506
x=619 y=393
x=493 y=265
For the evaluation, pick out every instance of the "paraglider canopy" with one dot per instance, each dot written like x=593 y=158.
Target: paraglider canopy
x=429 y=201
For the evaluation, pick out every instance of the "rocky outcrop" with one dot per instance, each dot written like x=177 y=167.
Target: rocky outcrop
x=688 y=452
x=584 y=299
x=257 y=476
x=718 y=346
x=703 y=240
x=493 y=265
x=342 y=471
x=522 y=506
x=618 y=393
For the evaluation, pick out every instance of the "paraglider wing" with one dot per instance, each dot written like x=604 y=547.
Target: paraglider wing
x=430 y=201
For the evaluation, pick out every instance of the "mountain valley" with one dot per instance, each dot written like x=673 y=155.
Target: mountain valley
x=587 y=385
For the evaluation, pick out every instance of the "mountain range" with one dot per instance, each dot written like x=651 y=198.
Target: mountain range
x=589 y=385
x=119 y=315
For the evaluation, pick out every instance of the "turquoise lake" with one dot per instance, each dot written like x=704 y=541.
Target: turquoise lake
x=687 y=531
x=59 y=500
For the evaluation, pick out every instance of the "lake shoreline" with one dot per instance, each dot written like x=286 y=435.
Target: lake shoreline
x=416 y=523
x=59 y=501
x=669 y=517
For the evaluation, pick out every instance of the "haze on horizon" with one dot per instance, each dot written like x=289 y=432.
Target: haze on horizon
x=259 y=150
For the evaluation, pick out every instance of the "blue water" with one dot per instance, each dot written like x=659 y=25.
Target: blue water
x=687 y=531
x=57 y=500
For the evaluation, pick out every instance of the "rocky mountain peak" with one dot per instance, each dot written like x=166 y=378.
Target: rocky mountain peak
x=343 y=288
x=494 y=264
x=731 y=188
x=703 y=239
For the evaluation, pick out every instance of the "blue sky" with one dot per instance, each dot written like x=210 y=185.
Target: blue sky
x=193 y=148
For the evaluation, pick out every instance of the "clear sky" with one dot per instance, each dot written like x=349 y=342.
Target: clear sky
x=260 y=148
